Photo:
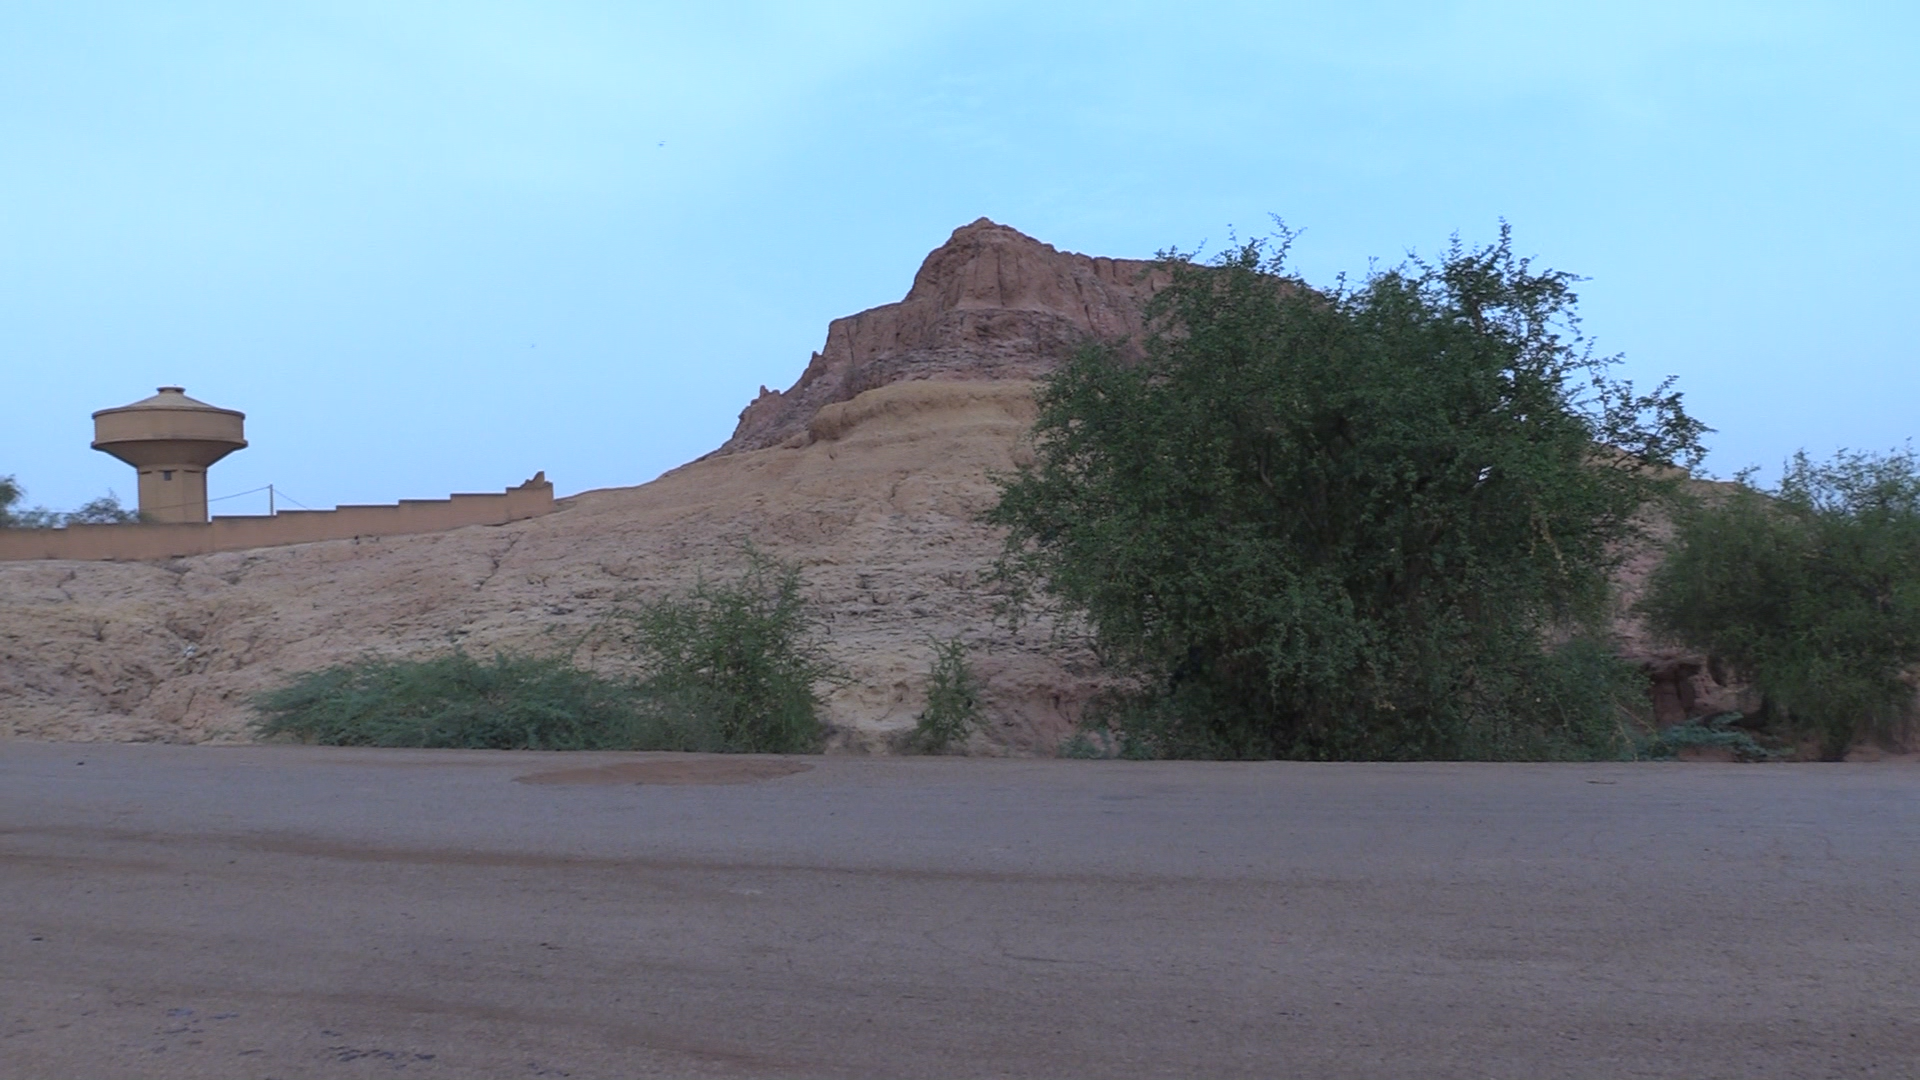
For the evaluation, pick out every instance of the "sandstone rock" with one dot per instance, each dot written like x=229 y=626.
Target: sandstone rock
x=991 y=303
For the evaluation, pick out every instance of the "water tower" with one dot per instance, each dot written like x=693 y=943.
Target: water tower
x=171 y=439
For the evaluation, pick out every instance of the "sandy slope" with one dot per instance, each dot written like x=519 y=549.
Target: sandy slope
x=878 y=507
x=869 y=471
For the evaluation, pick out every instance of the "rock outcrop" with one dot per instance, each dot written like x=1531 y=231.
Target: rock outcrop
x=991 y=303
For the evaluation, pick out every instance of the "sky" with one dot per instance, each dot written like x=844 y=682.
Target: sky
x=435 y=247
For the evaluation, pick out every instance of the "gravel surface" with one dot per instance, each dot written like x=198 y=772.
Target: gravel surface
x=304 y=912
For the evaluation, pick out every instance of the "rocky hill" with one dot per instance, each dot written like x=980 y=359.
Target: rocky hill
x=869 y=471
x=990 y=304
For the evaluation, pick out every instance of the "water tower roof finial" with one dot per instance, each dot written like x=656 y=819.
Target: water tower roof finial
x=169 y=397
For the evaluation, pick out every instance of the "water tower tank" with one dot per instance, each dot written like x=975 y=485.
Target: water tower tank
x=171 y=439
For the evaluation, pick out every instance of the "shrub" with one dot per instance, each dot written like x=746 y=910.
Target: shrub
x=1714 y=733
x=727 y=667
x=1575 y=702
x=740 y=656
x=506 y=703
x=1811 y=590
x=953 y=700
x=1345 y=523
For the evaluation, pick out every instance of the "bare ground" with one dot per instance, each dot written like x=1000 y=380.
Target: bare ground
x=263 y=911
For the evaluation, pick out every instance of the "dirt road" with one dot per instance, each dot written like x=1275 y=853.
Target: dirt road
x=302 y=912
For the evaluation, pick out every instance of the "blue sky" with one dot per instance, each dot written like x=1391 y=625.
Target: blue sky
x=434 y=247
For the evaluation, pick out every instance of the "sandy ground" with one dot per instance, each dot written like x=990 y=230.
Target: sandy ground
x=262 y=911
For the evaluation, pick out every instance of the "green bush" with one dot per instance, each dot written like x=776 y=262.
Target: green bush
x=953 y=700
x=728 y=667
x=506 y=703
x=1346 y=523
x=1716 y=733
x=1811 y=591
x=1576 y=702
x=738 y=656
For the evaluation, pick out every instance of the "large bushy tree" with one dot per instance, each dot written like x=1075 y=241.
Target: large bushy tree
x=1810 y=590
x=1365 y=521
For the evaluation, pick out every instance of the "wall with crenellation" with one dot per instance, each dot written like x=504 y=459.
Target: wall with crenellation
x=166 y=541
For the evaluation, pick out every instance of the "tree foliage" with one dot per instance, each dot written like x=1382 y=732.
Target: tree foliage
x=1345 y=522
x=741 y=654
x=105 y=510
x=1811 y=590
x=953 y=709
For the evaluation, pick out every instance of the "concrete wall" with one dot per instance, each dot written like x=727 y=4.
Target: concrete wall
x=165 y=541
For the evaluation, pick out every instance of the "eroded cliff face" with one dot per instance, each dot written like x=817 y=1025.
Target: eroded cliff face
x=991 y=303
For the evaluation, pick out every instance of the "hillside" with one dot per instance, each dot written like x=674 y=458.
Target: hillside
x=868 y=471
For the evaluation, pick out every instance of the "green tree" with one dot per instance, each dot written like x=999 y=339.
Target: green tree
x=739 y=655
x=1345 y=522
x=1811 y=590
x=953 y=699
x=105 y=510
x=13 y=516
